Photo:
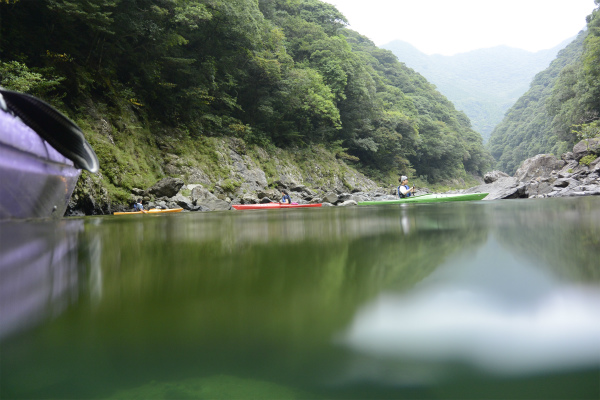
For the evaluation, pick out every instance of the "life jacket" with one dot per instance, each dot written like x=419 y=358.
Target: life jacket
x=402 y=196
x=138 y=207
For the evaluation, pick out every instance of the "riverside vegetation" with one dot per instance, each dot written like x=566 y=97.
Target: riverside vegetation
x=166 y=88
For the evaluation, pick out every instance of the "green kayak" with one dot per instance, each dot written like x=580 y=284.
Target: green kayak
x=429 y=198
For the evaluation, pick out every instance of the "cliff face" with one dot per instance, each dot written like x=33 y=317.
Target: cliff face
x=134 y=157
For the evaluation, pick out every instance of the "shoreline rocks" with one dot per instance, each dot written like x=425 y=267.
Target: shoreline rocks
x=541 y=176
x=544 y=176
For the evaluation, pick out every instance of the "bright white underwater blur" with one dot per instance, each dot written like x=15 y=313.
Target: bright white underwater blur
x=495 y=311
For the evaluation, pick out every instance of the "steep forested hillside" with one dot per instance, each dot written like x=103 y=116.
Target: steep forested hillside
x=482 y=83
x=527 y=128
x=279 y=73
x=561 y=108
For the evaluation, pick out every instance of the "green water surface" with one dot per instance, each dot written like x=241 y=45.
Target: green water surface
x=481 y=299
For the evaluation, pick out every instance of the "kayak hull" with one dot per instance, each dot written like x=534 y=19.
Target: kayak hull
x=151 y=211
x=35 y=180
x=269 y=206
x=42 y=153
x=430 y=198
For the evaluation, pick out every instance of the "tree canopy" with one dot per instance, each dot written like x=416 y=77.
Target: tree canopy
x=272 y=72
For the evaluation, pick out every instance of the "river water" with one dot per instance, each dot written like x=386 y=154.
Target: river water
x=496 y=299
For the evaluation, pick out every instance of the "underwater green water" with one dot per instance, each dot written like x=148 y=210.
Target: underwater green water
x=497 y=299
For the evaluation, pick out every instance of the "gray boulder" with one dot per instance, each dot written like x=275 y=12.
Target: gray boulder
x=538 y=166
x=199 y=194
x=493 y=176
x=183 y=202
x=330 y=198
x=347 y=203
x=208 y=201
x=167 y=187
x=503 y=188
x=586 y=147
x=214 y=204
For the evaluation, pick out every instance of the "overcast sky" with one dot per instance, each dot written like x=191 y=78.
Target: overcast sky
x=456 y=26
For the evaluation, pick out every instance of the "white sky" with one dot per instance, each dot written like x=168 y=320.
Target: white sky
x=456 y=26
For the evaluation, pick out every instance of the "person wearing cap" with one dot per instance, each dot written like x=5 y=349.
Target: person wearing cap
x=404 y=190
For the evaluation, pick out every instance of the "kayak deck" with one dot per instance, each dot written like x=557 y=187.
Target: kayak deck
x=268 y=206
x=151 y=211
x=430 y=198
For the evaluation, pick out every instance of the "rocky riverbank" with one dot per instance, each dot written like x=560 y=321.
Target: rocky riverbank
x=169 y=193
x=576 y=173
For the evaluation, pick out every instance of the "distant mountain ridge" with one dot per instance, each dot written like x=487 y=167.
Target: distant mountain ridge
x=483 y=83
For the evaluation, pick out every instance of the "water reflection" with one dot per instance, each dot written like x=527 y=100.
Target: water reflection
x=561 y=235
x=40 y=272
x=494 y=311
x=369 y=302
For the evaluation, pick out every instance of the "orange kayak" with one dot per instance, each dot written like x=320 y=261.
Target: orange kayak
x=151 y=211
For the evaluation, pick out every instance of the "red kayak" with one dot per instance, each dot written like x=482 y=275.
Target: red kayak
x=268 y=206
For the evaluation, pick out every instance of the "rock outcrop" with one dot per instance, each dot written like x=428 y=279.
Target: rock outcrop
x=586 y=147
x=167 y=187
x=547 y=176
x=503 y=188
x=493 y=176
x=202 y=197
x=538 y=166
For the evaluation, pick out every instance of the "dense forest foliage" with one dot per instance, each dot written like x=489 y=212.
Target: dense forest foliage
x=483 y=83
x=561 y=107
x=272 y=72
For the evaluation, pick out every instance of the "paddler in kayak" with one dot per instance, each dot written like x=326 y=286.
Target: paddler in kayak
x=285 y=199
x=137 y=206
x=404 y=190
